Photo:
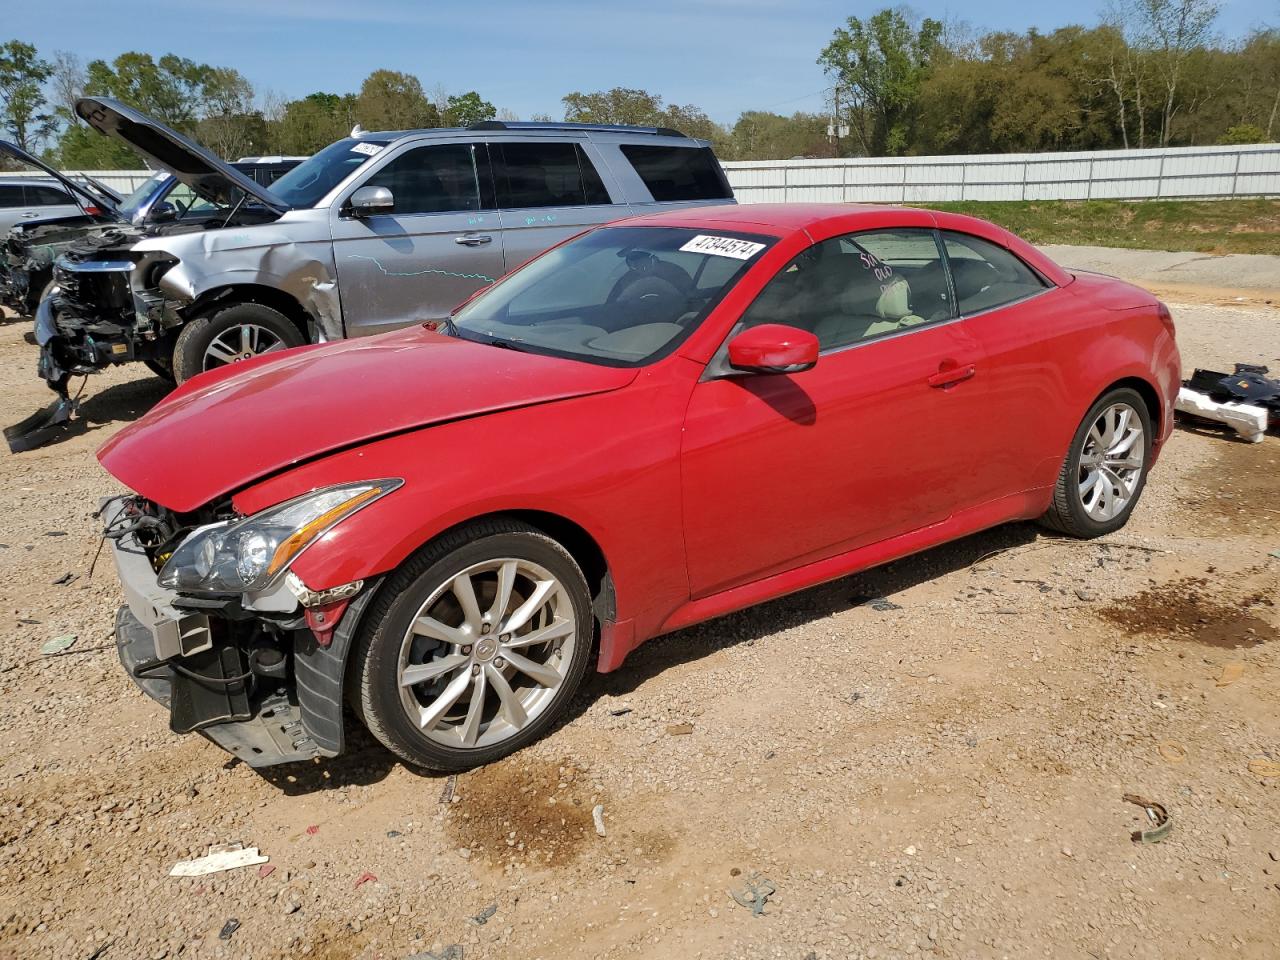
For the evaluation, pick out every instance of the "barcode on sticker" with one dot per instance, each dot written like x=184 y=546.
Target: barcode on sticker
x=723 y=247
x=369 y=149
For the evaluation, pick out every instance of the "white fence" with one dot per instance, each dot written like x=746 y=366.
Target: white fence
x=1173 y=173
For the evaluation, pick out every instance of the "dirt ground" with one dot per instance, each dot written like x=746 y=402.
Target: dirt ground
x=944 y=775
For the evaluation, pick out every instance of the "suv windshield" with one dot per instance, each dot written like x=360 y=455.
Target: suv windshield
x=307 y=183
x=138 y=199
x=619 y=296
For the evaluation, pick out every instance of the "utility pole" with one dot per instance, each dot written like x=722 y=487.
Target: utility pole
x=836 y=128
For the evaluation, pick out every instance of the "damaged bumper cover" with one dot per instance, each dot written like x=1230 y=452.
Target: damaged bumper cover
x=264 y=686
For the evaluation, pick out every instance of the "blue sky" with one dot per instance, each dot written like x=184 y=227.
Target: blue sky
x=722 y=55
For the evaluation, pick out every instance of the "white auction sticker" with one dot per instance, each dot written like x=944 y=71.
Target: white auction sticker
x=371 y=149
x=723 y=247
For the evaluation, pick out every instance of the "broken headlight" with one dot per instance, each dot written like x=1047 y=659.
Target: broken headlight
x=237 y=556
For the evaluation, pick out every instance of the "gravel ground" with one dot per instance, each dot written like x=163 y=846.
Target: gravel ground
x=944 y=777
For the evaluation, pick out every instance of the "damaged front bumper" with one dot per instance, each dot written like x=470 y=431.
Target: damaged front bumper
x=261 y=685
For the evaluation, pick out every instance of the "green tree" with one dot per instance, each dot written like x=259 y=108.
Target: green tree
x=761 y=135
x=880 y=63
x=390 y=100
x=467 y=108
x=639 y=108
x=22 y=104
x=315 y=121
x=1244 y=133
x=230 y=126
x=172 y=89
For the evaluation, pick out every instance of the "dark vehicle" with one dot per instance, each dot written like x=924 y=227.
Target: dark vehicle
x=159 y=205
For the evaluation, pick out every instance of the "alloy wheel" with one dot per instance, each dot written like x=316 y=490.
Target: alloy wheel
x=240 y=342
x=486 y=653
x=1111 y=462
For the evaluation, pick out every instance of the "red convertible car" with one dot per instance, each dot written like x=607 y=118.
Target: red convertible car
x=655 y=423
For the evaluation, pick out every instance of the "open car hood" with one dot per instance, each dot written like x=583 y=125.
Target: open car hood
x=223 y=430
x=192 y=164
x=97 y=197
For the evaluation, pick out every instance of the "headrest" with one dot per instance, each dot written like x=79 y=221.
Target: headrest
x=895 y=300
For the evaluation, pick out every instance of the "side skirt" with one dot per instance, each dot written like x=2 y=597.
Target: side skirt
x=1021 y=506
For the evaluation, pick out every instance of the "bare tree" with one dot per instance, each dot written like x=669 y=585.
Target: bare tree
x=1171 y=30
x=66 y=86
x=439 y=95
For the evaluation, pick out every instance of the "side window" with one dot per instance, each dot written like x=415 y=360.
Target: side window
x=858 y=287
x=187 y=202
x=545 y=175
x=42 y=196
x=678 y=173
x=436 y=179
x=986 y=275
x=11 y=195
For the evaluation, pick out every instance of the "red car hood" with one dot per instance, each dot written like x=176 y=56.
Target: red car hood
x=230 y=427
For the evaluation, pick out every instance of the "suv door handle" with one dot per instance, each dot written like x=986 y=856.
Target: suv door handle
x=473 y=239
x=950 y=376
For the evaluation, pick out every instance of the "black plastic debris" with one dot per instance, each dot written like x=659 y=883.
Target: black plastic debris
x=41 y=427
x=879 y=604
x=1248 y=384
x=228 y=928
x=481 y=918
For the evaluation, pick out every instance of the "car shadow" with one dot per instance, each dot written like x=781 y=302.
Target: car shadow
x=746 y=626
x=121 y=402
x=367 y=762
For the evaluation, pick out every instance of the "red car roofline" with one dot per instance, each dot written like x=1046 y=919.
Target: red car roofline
x=820 y=221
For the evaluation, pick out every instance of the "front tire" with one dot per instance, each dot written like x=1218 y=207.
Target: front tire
x=475 y=647
x=1105 y=470
x=230 y=334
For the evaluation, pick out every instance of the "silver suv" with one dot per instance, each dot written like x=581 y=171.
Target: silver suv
x=375 y=231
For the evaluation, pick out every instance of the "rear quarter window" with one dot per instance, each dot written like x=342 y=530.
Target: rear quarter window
x=678 y=173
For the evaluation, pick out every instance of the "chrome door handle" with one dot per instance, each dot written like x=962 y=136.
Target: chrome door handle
x=473 y=239
x=952 y=375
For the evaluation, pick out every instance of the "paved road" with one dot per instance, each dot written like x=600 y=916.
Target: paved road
x=1238 y=271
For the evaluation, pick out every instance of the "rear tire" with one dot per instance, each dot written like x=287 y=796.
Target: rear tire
x=1105 y=470
x=229 y=334
x=486 y=685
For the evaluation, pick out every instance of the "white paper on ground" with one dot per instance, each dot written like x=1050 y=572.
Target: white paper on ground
x=225 y=856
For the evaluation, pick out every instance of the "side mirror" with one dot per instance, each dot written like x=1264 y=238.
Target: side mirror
x=371 y=201
x=773 y=348
x=163 y=212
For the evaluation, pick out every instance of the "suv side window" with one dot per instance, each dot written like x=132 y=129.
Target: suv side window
x=986 y=275
x=678 y=173
x=11 y=195
x=39 y=195
x=542 y=174
x=433 y=179
x=858 y=287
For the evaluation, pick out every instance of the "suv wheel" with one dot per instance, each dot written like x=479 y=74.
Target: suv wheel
x=1106 y=467
x=230 y=334
x=475 y=647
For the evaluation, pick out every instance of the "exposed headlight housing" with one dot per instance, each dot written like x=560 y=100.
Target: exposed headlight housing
x=237 y=556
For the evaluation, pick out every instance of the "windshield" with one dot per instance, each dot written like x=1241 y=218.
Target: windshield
x=138 y=199
x=307 y=183
x=620 y=296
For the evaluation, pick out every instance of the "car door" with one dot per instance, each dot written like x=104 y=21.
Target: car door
x=1026 y=329
x=875 y=441
x=47 y=200
x=548 y=189
x=12 y=205
x=439 y=245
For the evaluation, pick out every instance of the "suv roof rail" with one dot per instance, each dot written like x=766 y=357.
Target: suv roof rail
x=567 y=125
